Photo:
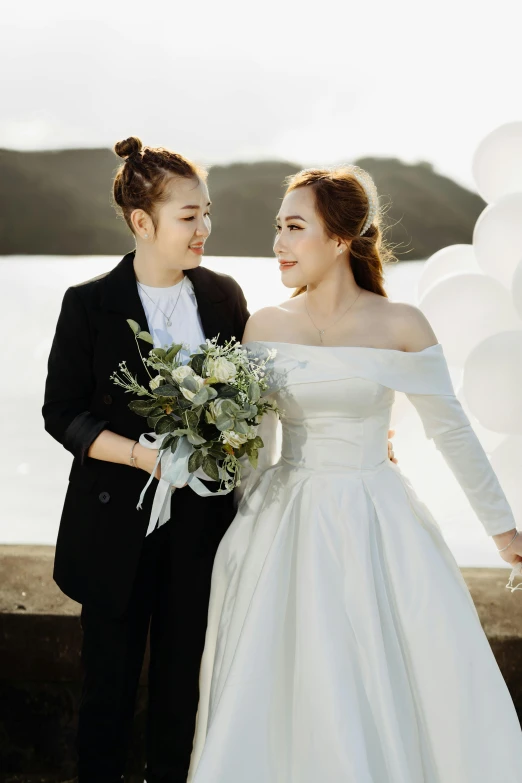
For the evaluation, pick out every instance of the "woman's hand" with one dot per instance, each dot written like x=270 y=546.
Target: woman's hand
x=146 y=459
x=513 y=554
x=391 y=455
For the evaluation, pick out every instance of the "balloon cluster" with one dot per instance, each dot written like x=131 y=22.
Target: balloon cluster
x=472 y=295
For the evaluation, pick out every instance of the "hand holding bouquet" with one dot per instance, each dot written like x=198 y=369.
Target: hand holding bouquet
x=205 y=414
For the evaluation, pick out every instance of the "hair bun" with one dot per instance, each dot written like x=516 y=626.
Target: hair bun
x=124 y=149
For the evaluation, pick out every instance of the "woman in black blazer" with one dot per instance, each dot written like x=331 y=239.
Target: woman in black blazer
x=124 y=580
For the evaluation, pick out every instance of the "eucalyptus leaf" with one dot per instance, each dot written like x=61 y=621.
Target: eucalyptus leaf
x=190 y=383
x=145 y=336
x=201 y=397
x=241 y=427
x=258 y=442
x=195 y=460
x=224 y=423
x=229 y=408
x=212 y=393
x=136 y=328
x=210 y=467
x=252 y=458
x=195 y=439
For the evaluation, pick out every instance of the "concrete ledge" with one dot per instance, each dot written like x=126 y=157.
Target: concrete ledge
x=40 y=672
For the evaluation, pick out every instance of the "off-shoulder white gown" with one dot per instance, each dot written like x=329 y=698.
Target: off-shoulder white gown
x=343 y=645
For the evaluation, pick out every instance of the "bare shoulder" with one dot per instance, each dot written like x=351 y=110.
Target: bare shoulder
x=410 y=327
x=265 y=324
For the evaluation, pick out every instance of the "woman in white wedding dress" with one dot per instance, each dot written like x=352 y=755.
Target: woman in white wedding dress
x=342 y=644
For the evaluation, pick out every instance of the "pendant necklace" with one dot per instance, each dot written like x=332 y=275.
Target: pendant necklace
x=322 y=331
x=168 y=317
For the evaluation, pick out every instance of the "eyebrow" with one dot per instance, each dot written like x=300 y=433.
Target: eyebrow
x=195 y=206
x=293 y=217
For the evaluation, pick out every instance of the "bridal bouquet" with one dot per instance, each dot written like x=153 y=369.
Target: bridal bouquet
x=205 y=413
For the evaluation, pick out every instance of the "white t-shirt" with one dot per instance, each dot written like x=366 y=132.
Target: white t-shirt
x=172 y=319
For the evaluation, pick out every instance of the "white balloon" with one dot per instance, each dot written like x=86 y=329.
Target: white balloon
x=506 y=461
x=466 y=308
x=497 y=238
x=489 y=440
x=492 y=382
x=497 y=163
x=448 y=261
x=516 y=289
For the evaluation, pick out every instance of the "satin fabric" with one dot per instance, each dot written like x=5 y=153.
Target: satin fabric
x=342 y=641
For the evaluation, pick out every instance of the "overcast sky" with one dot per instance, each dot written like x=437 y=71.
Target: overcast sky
x=222 y=80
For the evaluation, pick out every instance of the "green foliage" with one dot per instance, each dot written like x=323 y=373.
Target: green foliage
x=428 y=211
x=195 y=460
x=210 y=467
x=146 y=337
x=134 y=325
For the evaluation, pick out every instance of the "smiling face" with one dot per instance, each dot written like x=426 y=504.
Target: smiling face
x=182 y=224
x=306 y=253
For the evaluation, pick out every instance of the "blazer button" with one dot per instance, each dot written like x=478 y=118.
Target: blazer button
x=104 y=497
x=107 y=399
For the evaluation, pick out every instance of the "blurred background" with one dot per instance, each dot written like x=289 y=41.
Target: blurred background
x=406 y=90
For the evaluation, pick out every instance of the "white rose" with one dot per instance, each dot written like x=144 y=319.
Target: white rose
x=221 y=369
x=155 y=382
x=180 y=373
x=189 y=395
x=234 y=439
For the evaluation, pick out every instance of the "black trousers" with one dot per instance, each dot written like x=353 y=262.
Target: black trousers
x=171 y=594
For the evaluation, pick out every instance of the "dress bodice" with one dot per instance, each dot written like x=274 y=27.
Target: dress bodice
x=335 y=424
x=335 y=409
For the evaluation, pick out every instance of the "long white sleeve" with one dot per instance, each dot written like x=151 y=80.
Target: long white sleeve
x=446 y=423
x=268 y=455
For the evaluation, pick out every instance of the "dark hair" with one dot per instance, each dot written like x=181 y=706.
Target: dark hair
x=343 y=206
x=142 y=181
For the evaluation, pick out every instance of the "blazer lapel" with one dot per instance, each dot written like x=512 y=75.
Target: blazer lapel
x=120 y=301
x=121 y=296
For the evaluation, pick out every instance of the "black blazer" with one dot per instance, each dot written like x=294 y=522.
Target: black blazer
x=101 y=532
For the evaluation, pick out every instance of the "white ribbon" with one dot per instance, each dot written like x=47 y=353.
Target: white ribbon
x=174 y=474
x=515 y=573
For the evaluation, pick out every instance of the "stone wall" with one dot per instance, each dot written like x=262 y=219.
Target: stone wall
x=40 y=671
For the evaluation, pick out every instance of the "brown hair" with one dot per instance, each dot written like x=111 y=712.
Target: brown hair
x=142 y=181
x=343 y=206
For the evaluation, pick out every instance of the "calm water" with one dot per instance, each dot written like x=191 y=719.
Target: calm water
x=34 y=468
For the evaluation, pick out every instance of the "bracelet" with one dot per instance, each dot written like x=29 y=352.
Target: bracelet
x=132 y=457
x=507 y=547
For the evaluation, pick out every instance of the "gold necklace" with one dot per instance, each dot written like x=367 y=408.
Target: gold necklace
x=322 y=331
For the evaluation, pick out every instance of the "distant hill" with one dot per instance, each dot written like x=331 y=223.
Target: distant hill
x=56 y=203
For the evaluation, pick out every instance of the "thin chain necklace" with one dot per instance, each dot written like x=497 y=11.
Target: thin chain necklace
x=322 y=331
x=168 y=317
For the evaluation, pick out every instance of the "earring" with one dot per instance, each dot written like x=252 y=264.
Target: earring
x=146 y=236
x=340 y=251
